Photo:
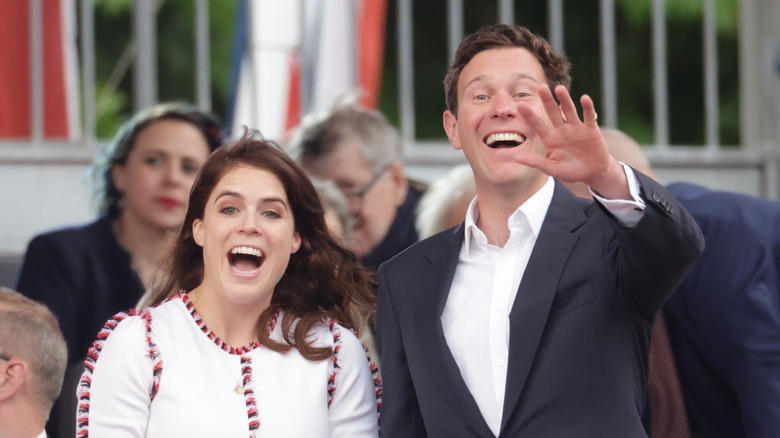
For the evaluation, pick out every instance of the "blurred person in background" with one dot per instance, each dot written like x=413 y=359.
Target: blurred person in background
x=87 y=273
x=336 y=207
x=446 y=201
x=723 y=321
x=32 y=365
x=361 y=153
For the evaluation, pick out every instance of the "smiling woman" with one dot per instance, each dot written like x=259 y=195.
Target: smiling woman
x=256 y=329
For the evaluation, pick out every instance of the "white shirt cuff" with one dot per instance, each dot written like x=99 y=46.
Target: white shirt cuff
x=627 y=212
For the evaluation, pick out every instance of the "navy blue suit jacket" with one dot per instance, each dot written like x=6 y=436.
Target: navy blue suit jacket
x=724 y=319
x=579 y=329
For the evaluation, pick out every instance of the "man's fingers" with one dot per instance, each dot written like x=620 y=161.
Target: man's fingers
x=531 y=159
x=589 y=116
x=568 y=108
x=534 y=120
x=551 y=107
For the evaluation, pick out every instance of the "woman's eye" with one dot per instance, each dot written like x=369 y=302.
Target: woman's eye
x=153 y=161
x=190 y=169
x=271 y=214
x=229 y=210
x=480 y=97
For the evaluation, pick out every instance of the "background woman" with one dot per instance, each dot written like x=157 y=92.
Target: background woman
x=253 y=333
x=87 y=273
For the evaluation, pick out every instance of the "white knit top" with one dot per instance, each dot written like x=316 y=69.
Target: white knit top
x=160 y=372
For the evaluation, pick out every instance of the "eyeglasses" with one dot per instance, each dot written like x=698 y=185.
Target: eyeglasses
x=358 y=195
x=4 y=357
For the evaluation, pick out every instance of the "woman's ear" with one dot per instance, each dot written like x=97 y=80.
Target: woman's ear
x=198 y=232
x=296 y=244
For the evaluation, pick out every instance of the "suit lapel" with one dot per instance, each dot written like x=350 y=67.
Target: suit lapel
x=429 y=303
x=537 y=289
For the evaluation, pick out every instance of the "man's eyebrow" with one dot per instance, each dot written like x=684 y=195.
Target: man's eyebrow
x=481 y=78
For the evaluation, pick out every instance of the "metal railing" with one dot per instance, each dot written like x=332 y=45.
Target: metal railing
x=762 y=157
x=758 y=158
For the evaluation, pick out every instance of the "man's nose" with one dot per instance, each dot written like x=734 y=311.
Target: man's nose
x=503 y=105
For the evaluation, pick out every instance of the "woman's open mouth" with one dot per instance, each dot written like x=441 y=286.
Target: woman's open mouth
x=245 y=259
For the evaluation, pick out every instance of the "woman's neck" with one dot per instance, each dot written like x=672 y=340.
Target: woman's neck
x=147 y=246
x=235 y=324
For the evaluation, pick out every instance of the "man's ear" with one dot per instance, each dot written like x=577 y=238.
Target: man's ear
x=450 y=122
x=400 y=183
x=13 y=374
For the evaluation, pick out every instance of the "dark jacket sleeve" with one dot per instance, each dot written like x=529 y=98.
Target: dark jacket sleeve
x=50 y=274
x=654 y=257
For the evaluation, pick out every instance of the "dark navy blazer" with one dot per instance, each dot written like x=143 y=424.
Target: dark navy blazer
x=724 y=319
x=579 y=328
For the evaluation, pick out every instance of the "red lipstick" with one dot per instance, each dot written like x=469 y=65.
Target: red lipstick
x=169 y=203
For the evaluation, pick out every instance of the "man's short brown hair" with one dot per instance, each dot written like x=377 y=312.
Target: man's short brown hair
x=556 y=66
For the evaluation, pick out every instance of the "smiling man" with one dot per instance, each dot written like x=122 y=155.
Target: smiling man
x=360 y=152
x=532 y=317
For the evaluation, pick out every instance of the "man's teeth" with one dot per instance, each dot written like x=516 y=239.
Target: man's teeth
x=246 y=250
x=505 y=136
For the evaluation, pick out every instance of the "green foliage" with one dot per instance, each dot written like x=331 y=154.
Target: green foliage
x=175 y=56
x=114 y=8
x=109 y=108
x=582 y=45
x=639 y=12
x=176 y=60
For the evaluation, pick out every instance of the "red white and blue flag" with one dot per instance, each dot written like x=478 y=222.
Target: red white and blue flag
x=299 y=56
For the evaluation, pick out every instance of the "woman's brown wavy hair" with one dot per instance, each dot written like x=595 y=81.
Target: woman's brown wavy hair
x=322 y=280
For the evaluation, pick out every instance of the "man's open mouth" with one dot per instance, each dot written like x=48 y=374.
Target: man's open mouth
x=504 y=140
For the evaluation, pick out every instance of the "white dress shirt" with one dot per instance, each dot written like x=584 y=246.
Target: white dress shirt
x=475 y=319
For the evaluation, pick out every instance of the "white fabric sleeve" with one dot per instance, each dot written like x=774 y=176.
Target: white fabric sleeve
x=353 y=412
x=626 y=212
x=121 y=383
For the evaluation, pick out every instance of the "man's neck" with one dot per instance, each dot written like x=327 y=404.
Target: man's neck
x=496 y=206
x=24 y=424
